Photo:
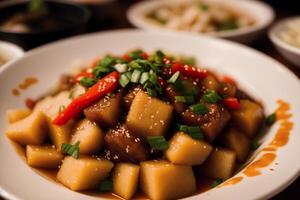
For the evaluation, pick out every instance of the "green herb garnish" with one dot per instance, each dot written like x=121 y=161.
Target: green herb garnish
x=107 y=61
x=271 y=119
x=194 y=131
x=203 y=6
x=185 y=99
x=136 y=54
x=199 y=109
x=227 y=25
x=106 y=186
x=212 y=97
x=87 y=82
x=135 y=77
x=174 y=78
x=158 y=142
x=37 y=6
x=216 y=182
x=144 y=78
x=124 y=80
x=121 y=68
x=70 y=149
x=100 y=71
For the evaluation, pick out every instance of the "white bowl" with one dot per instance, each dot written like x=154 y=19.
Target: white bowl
x=262 y=13
x=290 y=52
x=261 y=76
x=10 y=52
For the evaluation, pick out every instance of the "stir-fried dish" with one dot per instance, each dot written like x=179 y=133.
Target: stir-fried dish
x=140 y=122
x=199 y=16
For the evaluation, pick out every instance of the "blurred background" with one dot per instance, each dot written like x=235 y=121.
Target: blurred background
x=98 y=15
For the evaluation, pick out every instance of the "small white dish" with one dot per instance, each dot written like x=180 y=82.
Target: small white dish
x=262 y=14
x=259 y=75
x=9 y=52
x=288 y=51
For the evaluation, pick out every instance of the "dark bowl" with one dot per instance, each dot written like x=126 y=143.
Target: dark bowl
x=74 y=16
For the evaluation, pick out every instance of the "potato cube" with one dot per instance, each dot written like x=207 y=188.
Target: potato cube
x=238 y=142
x=83 y=173
x=125 y=179
x=105 y=112
x=30 y=130
x=51 y=106
x=91 y=137
x=17 y=114
x=60 y=134
x=128 y=98
x=148 y=116
x=249 y=117
x=43 y=156
x=164 y=180
x=219 y=164
x=184 y=150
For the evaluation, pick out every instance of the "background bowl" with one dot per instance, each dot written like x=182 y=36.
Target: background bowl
x=248 y=67
x=288 y=51
x=76 y=15
x=10 y=52
x=262 y=13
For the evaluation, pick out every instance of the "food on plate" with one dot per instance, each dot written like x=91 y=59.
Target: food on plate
x=199 y=16
x=291 y=33
x=140 y=122
x=36 y=18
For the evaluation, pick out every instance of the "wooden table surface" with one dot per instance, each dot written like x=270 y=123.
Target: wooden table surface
x=263 y=44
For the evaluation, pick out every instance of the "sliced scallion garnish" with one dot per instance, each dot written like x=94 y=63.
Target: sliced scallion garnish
x=212 y=97
x=199 y=109
x=185 y=99
x=135 y=77
x=194 y=131
x=124 y=80
x=271 y=119
x=70 y=149
x=216 y=182
x=158 y=142
x=144 y=78
x=174 y=78
x=121 y=68
x=87 y=82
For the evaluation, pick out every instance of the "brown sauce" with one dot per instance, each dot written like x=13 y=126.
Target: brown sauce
x=15 y=92
x=232 y=181
x=25 y=84
x=254 y=168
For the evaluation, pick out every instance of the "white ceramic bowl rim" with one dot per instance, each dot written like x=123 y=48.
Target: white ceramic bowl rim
x=10 y=51
x=135 y=14
x=275 y=29
x=292 y=167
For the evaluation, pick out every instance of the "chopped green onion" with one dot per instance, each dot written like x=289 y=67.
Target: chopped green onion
x=153 y=77
x=37 y=6
x=151 y=92
x=100 y=71
x=128 y=74
x=106 y=186
x=107 y=61
x=87 y=82
x=194 y=131
x=121 y=68
x=212 y=97
x=160 y=54
x=271 y=119
x=158 y=142
x=70 y=149
x=203 y=6
x=135 y=54
x=124 y=80
x=185 y=99
x=199 y=109
x=174 y=77
x=216 y=182
x=227 y=25
x=189 y=60
x=255 y=144
x=135 y=77
x=144 y=78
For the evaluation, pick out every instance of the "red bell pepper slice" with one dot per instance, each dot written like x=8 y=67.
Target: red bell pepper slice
x=104 y=86
x=189 y=71
x=232 y=103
